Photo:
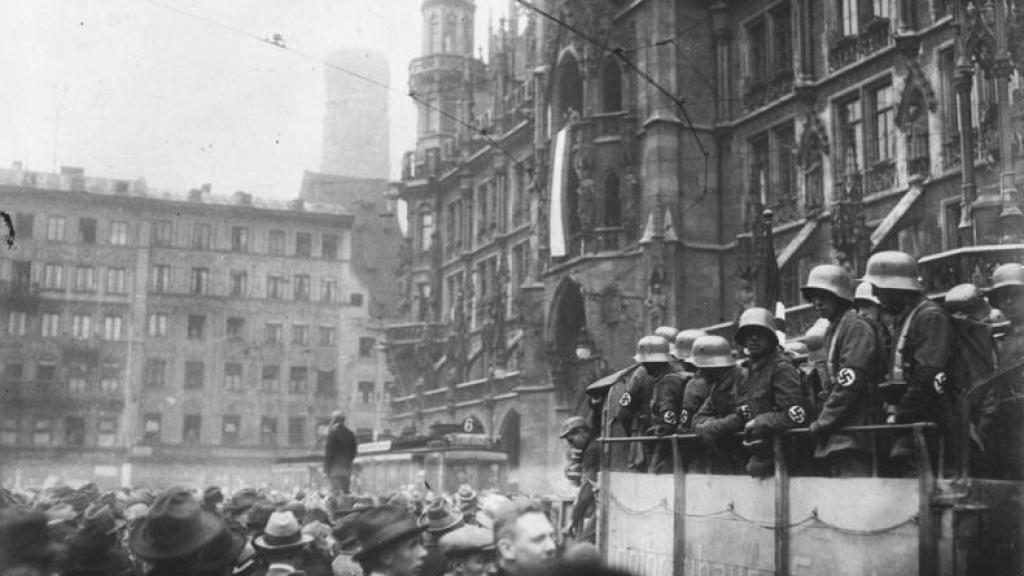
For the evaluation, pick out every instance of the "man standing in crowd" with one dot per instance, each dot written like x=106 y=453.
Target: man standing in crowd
x=390 y=542
x=852 y=366
x=576 y=432
x=917 y=378
x=339 y=453
x=469 y=551
x=525 y=540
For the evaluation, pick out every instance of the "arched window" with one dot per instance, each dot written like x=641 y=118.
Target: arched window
x=426 y=229
x=611 y=86
x=612 y=205
x=448 y=36
x=915 y=127
x=570 y=90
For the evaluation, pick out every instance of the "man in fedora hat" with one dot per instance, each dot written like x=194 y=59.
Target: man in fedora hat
x=94 y=551
x=389 y=542
x=469 y=551
x=177 y=537
x=438 y=519
x=283 y=542
x=339 y=452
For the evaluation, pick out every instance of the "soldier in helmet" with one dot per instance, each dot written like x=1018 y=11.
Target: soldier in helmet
x=772 y=399
x=1007 y=294
x=715 y=420
x=654 y=353
x=576 y=432
x=635 y=405
x=853 y=366
x=916 y=381
x=697 y=387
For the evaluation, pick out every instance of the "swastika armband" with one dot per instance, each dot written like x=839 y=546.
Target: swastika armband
x=669 y=417
x=846 y=377
x=625 y=399
x=797 y=414
x=684 y=416
x=940 y=383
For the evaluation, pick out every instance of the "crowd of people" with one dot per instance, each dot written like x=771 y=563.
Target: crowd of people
x=64 y=531
x=880 y=353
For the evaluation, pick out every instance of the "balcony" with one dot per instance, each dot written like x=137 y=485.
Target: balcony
x=21 y=296
x=762 y=92
x=398 y=334
x=880 y=177
x=447 y=64
x=845 y=50
x=951 y=160
x=56 y=394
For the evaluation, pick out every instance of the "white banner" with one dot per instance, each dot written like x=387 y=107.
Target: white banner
x=556 y=221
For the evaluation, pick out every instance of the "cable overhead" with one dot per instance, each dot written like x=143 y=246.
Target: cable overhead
x=278 y=42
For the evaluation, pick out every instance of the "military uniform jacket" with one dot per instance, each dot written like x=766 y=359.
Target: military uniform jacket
x=717 y=414
x=773 y=393
x=853 y=368
x=667 y=400
x=919 y=360
x=634 y=401
x=697 y=391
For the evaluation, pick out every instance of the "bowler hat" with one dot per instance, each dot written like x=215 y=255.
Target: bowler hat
x=380 y=526
x=440 y=517
x=282 y=531
x=175 y=526
x=99 y=519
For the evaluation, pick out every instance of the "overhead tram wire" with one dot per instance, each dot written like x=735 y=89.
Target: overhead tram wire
x=411 y=94
x=620 y=53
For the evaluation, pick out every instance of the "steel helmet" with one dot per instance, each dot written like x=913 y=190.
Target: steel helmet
x=652 y=349
x=1006 y=276
x=814 y=338
x=893 y=270
x=684 y=342
x=797 y=350
x=710 y=351
x=967 y=299
x=865 y=293
x=571 y=424
x=669 y=334
x=829 y=278
x=753 y=318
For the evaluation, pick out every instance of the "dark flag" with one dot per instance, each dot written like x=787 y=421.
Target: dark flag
x=768 y=293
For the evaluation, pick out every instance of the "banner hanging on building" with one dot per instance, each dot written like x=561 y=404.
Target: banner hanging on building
x=556 y=220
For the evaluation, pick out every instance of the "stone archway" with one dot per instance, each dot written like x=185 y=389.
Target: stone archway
x=567 y=323
x=508 y=437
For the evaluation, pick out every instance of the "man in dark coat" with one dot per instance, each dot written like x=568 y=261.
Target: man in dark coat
x=339 y=454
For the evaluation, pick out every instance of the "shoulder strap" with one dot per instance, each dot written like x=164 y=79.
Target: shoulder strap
x=896 y=370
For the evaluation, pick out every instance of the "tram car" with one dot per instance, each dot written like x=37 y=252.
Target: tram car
x=949 y=519
x=425 y=463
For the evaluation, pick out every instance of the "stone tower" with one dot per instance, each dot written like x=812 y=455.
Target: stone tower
x=356 y=127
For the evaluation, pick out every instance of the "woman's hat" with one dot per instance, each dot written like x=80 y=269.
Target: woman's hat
x=378 y=527
x=282 y=531
x=440 y=517
x=175 y=526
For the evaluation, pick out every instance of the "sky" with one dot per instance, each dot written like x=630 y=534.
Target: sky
x=182 y=92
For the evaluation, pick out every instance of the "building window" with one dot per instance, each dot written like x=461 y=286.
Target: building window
x=784 y=166
x=301 y=291
x=202 y=235
x=427 y=229
x=24 y=222
x=303 y=244
x=233 y=376
x=51 y=325
x=151 y=425
x=77 y=384
x=611 y=86
x=116 y=281
x=85 y=279
x=365 y=391
x=200 y=280
x=270 y=379
x=13 y=371
x=355 y=299
x=329 y=247
x=328 y=290
x=231 y=426
x=328 y=335
x=21 y=276
x=239 y=283
x=196 y=327
x=53 y=277
x=161 y=279
x=46 y=371
x=106 y=432
x=326 y=387
x=55 y=228
x=112 y=328
x=268 y=431
x=42 y=431
x=17 y=323
x=235 y=327
x=74 y=431
x=191 y=428
x=851 y=136
x=119 y=233
x=155 y=373
x=275 y=287
x=883 y=112
x=300 y=334
x=8 y=431
x=163 y=233
x=272 y=332
x=366 y=346
x=157 y=325
x=87 y=230
x=195 y=372
x=297 y=376
x=81 y=326
x=110 y=379
x=275 y=242
x=239 y=239
x=296 y=431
